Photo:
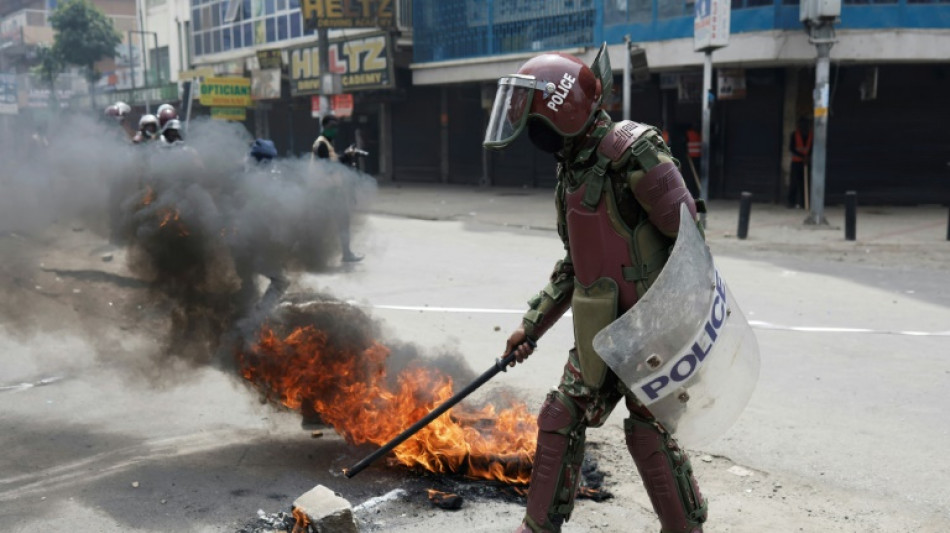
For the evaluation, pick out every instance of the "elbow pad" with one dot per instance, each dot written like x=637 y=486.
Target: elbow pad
x=660 y=192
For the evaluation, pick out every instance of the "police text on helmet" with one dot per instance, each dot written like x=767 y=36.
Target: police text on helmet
x=560 y=93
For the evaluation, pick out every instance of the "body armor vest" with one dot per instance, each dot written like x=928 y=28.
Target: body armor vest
x=600 y=243
x=616 y=254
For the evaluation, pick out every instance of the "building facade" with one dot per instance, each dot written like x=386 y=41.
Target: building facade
x=269 y=43
x=24 y=28
x=889 y=80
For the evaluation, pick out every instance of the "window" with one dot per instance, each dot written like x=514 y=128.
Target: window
x=226 y=39
x=675 y=8
x=269 y=7
x=282 y=32
x=196 y=19
x=296 y=29
x=207 y=42
x=158 y=62
x=248 y=34
x=232 y=11
x=216 y=15
x=271 y=30
x=236 y=36
x=197 y=45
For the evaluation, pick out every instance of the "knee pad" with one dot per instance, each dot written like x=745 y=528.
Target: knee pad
x=667 y=476
x=555 y=472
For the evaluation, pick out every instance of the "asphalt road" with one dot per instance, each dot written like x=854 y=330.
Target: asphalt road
x=846 y=430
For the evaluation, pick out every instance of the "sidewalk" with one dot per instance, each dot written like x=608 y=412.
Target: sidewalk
x=770 y=226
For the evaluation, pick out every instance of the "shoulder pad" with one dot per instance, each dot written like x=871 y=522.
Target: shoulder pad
x=620 y=138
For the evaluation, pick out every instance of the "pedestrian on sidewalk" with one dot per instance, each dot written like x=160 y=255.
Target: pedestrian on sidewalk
x=799 y=144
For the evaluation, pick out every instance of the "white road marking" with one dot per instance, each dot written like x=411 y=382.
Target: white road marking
x=757 y=324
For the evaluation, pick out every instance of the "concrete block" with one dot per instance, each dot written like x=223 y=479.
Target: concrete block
x=328 y=513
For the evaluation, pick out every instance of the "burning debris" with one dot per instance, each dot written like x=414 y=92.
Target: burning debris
x=418 y=490
x=445 y=500
x=271 y=523
x=325 y=355
x=592 y=481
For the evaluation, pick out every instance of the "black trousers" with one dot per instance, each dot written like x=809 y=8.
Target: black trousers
x=796 y=185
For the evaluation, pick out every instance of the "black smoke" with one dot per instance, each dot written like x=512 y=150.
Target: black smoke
x=222 y=236
x=206 y=230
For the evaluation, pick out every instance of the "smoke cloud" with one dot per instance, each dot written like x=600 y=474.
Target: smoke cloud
x=206 y=228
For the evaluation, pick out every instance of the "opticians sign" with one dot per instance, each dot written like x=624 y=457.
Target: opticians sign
x=229 y=113
x=362 y=63
x=226 y=92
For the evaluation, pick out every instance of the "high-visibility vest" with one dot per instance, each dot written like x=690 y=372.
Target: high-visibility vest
x=802 y=147
x=694 y=143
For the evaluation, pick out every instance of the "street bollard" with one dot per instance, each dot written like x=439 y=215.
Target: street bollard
x=850 y=214
x=745 y=205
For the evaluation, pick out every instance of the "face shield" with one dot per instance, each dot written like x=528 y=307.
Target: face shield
x=511 y=108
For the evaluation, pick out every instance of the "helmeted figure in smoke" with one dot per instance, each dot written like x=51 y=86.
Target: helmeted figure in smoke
x=249 y=262
x=119 y=112
x=618 y=199
x=323 y=150
x=149 y=129
x=168 y=124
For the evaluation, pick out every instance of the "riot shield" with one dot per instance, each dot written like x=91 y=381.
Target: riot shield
x=685 y=349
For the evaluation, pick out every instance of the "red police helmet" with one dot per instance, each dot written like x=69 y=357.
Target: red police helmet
x=165 y=113
x=557 y=89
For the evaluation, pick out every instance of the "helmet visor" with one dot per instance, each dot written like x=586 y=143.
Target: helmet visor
x=510 y=111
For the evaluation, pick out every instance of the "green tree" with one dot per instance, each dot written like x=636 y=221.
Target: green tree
x=84 y=35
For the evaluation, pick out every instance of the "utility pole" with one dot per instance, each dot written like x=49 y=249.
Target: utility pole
x=819 y=17
x=323 y=35
x=627 y=74
x=707 y=117
x=710 y=31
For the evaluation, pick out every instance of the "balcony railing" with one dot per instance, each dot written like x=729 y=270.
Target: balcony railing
x=456 y=29
x=459 y=29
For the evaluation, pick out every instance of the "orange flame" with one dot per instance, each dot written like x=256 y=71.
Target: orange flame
x=301 y=521
x=149 y=196
x=352 y=393
x=168 y=216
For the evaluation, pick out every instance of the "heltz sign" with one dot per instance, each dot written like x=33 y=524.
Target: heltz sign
x=348 y=13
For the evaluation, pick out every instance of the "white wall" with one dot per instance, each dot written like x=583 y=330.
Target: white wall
x=163 y=18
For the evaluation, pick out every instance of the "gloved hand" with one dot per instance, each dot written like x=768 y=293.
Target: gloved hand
x=520 y=340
